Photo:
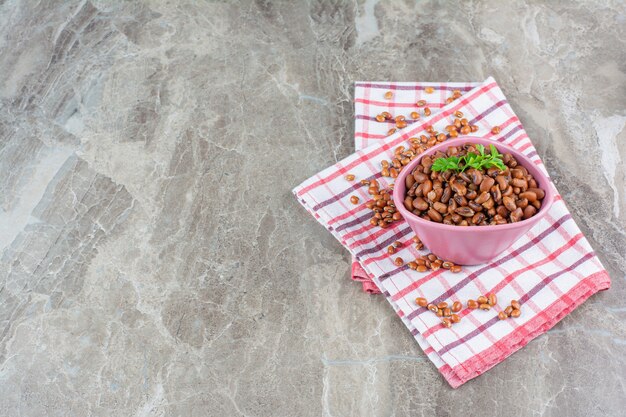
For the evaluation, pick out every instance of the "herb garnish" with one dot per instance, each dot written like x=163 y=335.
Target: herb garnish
x=471 y=160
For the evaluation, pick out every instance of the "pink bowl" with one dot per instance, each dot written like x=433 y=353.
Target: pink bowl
x=475 y=244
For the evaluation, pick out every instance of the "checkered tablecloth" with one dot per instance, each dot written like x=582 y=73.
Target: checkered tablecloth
x=551 y=270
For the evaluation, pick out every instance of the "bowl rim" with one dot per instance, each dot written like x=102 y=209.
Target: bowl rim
x=406 y=214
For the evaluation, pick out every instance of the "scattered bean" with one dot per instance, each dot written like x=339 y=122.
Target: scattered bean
x=354 y=199
x=472 y=304
x=421 y=301
x=457 y=306
x=388 y=95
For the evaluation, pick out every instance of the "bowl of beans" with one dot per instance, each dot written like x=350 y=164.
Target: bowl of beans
x=469 y=199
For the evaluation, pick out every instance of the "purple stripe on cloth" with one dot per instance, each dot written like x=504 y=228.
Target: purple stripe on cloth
x=345 y=192
x=523 y=299
x=382 y=245
x=412 y=87
x=553 y=227
x=486 y=112
x=355 y=221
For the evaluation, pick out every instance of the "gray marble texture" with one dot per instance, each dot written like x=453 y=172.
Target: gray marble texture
x=153 y=261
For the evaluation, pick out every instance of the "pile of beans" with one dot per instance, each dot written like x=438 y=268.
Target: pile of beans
x=381 y=204
x=484 y=302
x=473 y=197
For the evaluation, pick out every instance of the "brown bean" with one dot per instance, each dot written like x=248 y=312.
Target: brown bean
x=455 y=318
x=487 y=183
x=421 y=103
x=492 y=299
x=420 y=204
x=496 y=194
x=460 y=200
x=408 y=203
x=446 y=194
x=522 y=203
x=440 y=207
x=478 y=218
x=529 y=195
x=412 y=265
x=471 y=194
x=439 y=312
x=509 y=203
x=502 y=182
x=435 y=216
x=427 y=111
x=432 y=195
x=472 y=304
x=398 y=261
x=442 y=305
x=420 y=176
x=464 y=211
x=529 y=212
x=446 y=322
x=502 y=315
x=477 y=176
x=388 y=95
x=447 y=312
x=485 y=307
x=433 y=308
x=474 y=206
x=521 y=183
x=422 y=268
x=516 y=215
x=431 y=257
x=508 y=310
x=458 y=188
x=482 y=300
x=427 y=186
x=391 y=250
x=538 y=192
x=457 y=306
x=484 y=196
x=354 y=199
x=421 y=301
x=455 y=269
x=515 y=304
x=495 y=130
x=536 y=204
x=409 y=181
x=516 y=313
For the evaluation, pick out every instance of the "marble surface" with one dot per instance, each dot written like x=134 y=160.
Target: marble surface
x=154 y=262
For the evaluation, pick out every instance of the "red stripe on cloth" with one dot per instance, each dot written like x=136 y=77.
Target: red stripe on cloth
x=507 y=279
x=540 y=285
x=528 y=331
x=363 y=156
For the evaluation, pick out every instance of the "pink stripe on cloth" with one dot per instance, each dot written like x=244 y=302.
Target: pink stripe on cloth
x=551 y=270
